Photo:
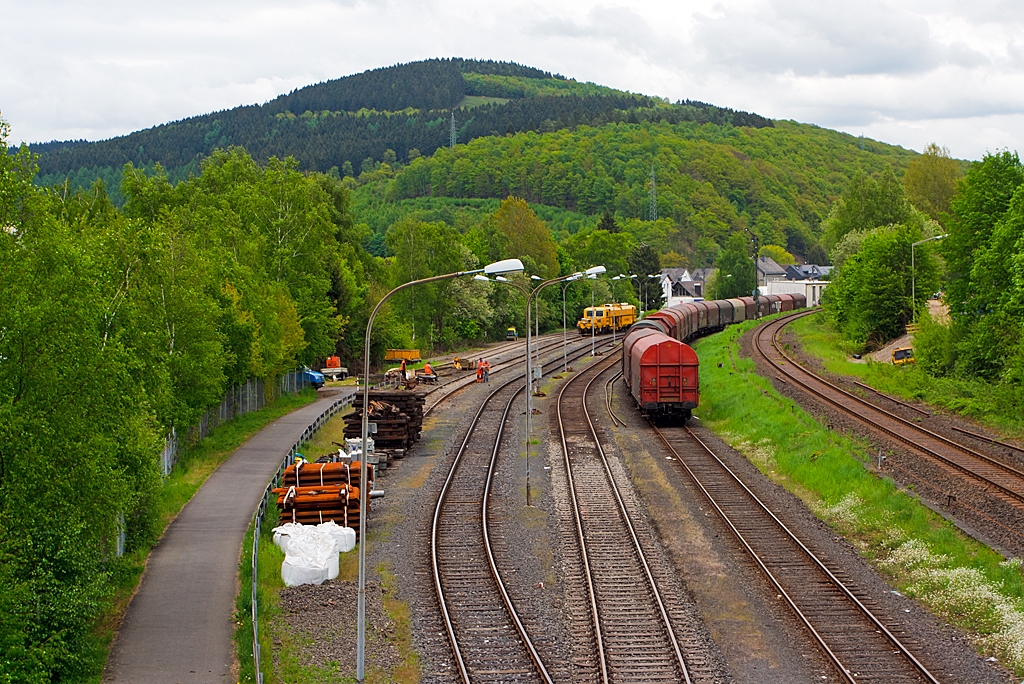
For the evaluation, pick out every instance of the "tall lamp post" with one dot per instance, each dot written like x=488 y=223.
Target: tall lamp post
x=757 y=309
x=913 y=274
x=505 y=266
x=529 y=370
x=568 y=281
x=524 y=290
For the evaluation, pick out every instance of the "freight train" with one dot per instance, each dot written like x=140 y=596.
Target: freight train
x=659 y=367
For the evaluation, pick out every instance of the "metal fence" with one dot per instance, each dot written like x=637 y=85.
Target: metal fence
x=261 y=510
x=240 y=399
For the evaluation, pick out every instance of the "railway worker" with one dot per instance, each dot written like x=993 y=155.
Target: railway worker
x=404 y=376
x=487 y=371
x=480 y=371
x=427 y=370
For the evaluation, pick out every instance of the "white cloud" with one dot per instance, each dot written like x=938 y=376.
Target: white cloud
x=906 y=72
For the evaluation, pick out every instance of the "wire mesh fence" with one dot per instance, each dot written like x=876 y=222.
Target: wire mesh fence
x=239 y=400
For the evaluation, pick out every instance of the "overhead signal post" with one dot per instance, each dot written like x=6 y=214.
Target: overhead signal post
x=498 y=267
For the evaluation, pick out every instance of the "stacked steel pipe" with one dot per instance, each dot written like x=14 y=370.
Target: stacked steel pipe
x=313 y=493
x=398 y=415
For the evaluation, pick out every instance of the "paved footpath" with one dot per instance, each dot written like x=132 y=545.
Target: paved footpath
x=178 y=628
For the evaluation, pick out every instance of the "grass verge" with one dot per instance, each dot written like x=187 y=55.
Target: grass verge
x=992 y=404
x=195 y=464
x=956 y=577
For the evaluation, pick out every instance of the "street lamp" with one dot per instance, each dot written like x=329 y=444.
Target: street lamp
x=647 y=292
x=504 y=266
x=571 y=279
x=529 y=370
x=913 y=274
x=757 y=311
x=526 y=293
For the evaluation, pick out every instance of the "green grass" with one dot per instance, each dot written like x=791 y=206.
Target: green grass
x=195 y=464
x=470 y=101
x=926 y=557
x=994 y=405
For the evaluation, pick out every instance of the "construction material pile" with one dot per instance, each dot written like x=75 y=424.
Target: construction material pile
x=315 y=493
x=311 y=551
x=398 y=415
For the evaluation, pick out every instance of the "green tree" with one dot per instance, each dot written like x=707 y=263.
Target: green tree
x=869 y=297
x=422 y=250
x=868 y=203
x=643 y=262
x=931 y=179
x=778 y=254
x=737 y=275
x=527 y=235
x=607 y=222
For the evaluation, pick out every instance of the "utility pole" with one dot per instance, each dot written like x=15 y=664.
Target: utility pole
x=654 y=197
x=452 y=134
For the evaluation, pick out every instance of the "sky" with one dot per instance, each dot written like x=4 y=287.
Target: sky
x=907 y=72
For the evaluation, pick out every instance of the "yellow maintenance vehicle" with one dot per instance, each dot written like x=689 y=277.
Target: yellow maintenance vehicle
x=607 y=317
x=902 y=355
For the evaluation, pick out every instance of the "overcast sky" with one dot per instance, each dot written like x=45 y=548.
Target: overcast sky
x=906 y=72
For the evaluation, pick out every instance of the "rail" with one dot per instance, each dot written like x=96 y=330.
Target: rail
x=261 y=509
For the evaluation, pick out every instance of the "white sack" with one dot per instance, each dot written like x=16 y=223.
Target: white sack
x=311 y=552
x=344 y=536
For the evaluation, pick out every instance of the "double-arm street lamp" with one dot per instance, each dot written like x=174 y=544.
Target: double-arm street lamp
x=590 y=272
x=568 y=281
x=505 y=266
x=913 y=274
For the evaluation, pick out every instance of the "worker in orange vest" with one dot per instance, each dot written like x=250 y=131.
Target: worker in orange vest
x=487 y=371
x=403 y=370
x=480 y=371
x=427 y=370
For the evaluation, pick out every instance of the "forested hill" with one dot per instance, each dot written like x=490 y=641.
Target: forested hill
x=352 y=122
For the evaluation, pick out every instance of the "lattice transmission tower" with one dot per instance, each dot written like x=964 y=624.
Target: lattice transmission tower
x=452 y=134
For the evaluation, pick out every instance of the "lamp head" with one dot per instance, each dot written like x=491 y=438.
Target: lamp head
x=595 y=270
x=535 y=277
x=501 y=279
x=483 y=278
x=504 y=266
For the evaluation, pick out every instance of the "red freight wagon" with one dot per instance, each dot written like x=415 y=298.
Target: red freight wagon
x=664 y=376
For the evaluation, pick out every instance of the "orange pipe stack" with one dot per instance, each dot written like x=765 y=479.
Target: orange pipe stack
x=314 y=474
x=318 y=504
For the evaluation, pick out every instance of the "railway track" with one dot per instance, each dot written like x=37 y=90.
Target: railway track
x=489 y=640
x=857 y=642
x=993 y=479
x=639 y=633
x=460 y=382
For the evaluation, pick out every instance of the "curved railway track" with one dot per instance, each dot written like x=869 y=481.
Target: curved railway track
x=996 y=479
x=859 y=644
x=489 y=639
x=636 y=621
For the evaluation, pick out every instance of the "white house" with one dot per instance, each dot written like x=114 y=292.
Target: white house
x=812 y=289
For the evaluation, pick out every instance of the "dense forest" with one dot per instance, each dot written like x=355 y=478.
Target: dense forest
x=352 y=122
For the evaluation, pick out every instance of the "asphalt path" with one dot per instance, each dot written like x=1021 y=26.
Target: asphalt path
x=178 y=627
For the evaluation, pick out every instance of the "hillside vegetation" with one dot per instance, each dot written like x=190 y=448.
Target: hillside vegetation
x=348 y=123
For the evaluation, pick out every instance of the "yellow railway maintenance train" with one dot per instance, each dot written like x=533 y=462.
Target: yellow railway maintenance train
x=606 y=318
